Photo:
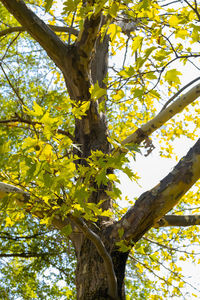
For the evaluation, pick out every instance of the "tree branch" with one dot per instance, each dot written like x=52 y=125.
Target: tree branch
x=7 y=236
x=173 y=220
x=88 y=35
x=72 y=60
x=26 y=254
x=41 y=32
x=55 y=28
x=177 y=106
x=22 y=198
x=11 y=85
x=21 y=120
x=6 y=188
x=179 y=92
x=102 y=252
x=152 y=205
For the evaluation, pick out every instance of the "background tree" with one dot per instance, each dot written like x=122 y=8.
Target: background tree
x=70 y=122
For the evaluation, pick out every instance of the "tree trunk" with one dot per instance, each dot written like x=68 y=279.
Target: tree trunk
x=91 y=279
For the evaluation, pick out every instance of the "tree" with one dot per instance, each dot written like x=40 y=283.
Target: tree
x=70 y=122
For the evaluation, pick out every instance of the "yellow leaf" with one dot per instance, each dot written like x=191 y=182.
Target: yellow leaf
x=119 y=95
x=37 y=109
x=47 y=153
x=172 y=76
x=182 y=33
x=173 y=21
x=9 y=222
x=113 y=31
x=137 y=43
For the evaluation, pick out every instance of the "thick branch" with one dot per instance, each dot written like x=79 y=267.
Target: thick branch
x=88 y=35
x=172 y=220
x=152 y=205
x=177 y=106
x=112 y=281
x=55 y=28
x=37 y=29
x=22 y=199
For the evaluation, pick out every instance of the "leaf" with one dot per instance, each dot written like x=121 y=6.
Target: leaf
x=119 y=95
x=70 y=6
x=9 y=222
x=114 y=9
x=137 y=43
x=172 y=76
x=48 y=5
x=80 y=109
x=121 y=232
x=113 y=31
x=67 y=230
x=144 y=4
x=96 y=91
x=46 y=221
x=173 y=21
x=182 y=33
x=123 y=246
x=37 y=110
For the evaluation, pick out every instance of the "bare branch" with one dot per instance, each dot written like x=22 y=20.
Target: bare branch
x=33 y=123
x=55 y=28
x=194 y=9
x=26 y=254
x=40 y=31
x=102 y=252
x=173 y=220
x=177 y=106
x=7 y=236
x=152 y=205
x=11 y=85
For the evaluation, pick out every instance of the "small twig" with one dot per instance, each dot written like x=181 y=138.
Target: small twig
x=169 y=248
x=7 y=236
x=72 y=22
x=27 y=254
x=11 y=85
x=125 y=54
x=9 y=45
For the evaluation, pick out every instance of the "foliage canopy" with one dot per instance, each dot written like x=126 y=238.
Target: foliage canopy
x=71 y=123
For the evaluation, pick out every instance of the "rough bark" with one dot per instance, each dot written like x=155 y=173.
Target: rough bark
x=92 y=283
x=173 y=220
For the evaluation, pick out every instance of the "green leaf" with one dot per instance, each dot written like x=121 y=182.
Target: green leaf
x=137 y=43
x=48 y=5
x=96 y=91
x=67 y=230
x=172 y=76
